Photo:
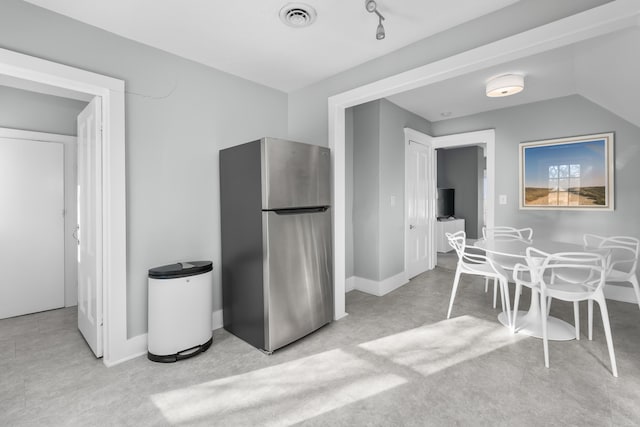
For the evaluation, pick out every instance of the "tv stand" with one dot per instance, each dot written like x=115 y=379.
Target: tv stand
x=447 y=225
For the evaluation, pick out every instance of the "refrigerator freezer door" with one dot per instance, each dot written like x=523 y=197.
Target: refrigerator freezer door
x=294 y=174
x=298 y=275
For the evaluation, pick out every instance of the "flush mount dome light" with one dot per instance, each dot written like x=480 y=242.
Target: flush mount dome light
x=298 y=15
x=506 y=85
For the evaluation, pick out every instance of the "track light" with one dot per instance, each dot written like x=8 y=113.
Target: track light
x=380 y=30
x=372 y=7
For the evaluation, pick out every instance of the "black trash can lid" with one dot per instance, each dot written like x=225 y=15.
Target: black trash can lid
x=180 y=269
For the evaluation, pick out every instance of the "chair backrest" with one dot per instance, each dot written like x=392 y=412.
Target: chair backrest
x=534 y=259
x=504 y=232
x=571 y=268
x=623 y=250
x=457 y=241
x=469 y=261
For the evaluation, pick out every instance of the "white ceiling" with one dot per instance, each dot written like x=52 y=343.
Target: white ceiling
x=548 y=75
x=247 y=38
x=604 y=70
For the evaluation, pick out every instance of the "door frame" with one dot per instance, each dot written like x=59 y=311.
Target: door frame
x=466 y=139
x=601 y=20
x=46 y=76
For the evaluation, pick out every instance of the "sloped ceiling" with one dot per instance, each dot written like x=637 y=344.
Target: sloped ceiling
x=605 y=70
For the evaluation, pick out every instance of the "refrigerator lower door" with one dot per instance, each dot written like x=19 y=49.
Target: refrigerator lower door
x=298 y=284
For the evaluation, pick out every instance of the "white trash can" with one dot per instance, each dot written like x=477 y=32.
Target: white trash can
x=180 y=309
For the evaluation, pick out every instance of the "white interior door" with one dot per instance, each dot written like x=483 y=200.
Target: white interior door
x=419 y=208
x=89 y=232
x=31 y=226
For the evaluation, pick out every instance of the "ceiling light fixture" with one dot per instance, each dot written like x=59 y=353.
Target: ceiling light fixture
x=508 y=84
x=372 y=7
x=298 y=15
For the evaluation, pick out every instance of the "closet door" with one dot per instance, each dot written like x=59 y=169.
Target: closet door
x=31 y=226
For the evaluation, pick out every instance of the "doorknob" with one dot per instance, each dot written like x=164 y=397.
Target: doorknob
x=411 y=226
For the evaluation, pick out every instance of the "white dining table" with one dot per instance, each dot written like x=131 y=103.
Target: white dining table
x=530 y=322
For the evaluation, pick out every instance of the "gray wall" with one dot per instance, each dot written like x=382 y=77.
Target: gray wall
x=178 y=115
x=21 y=109
x=393 y=120
x=366 y=190
x=568 y=116
x=378 y=177
x=308 y=106
x=460 y=169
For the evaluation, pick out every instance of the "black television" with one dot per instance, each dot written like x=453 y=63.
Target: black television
x=446 y=207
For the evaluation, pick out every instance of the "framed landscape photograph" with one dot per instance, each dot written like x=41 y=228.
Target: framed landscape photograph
x=574 y=173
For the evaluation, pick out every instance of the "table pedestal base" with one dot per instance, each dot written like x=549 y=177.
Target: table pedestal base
x=530 y=323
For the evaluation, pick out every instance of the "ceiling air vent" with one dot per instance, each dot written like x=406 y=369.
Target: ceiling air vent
x=298 y=15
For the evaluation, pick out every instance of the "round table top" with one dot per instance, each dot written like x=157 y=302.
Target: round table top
x=519 y=247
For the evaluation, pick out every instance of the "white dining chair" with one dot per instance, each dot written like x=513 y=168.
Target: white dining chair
x=623 y=258
x=479 y=265
x=573 y=277
x=507 y=262
x=507 y=232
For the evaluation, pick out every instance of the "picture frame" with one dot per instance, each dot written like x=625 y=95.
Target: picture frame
x=572 y=173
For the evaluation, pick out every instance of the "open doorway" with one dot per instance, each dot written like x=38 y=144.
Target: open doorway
x=562 y=33
x=391 y=190
x=38 y=186
x=47 y=77
x=51 y=239
x=461 y=176
x=471 y=170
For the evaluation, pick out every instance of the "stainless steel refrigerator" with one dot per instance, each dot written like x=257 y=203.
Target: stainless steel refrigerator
x=277 y=281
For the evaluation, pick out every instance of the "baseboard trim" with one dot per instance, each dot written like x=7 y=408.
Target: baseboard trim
x=216 y=320
x=379 y=288
x=620 y=293
x=350 y=284
x=138 y=345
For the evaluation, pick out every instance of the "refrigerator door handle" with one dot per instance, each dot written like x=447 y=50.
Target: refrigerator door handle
x=295 y=211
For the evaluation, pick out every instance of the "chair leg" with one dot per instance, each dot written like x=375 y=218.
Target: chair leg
x=607 y=331
x=590 y=320
x=453 y=291
x=548 y=305
x=495 y=292
x=576 y=318
x=636 y=287
x=506 y=304
x=516 y=302
x=486 y=285
x=545 y=341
